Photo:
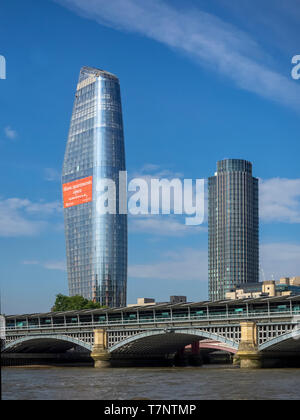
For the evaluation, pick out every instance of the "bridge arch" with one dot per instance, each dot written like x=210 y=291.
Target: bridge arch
x=44 y=344
x=167 y=341
x=284 y=342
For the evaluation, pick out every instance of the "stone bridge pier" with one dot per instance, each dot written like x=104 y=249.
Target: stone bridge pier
x=100 y=353
x=248 y=355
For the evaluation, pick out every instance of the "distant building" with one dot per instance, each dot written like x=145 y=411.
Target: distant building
x=177 y=299
x=143 y=302
x=233 y=227
x=291 y=281
x=149 y=301
x=284 y=287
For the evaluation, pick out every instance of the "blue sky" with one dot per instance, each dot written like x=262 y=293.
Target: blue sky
x=201 y=81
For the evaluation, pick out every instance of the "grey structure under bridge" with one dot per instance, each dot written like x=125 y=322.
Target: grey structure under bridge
x=252 y=329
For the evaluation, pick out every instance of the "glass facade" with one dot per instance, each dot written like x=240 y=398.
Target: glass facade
x=96 y=244
x=233 y=218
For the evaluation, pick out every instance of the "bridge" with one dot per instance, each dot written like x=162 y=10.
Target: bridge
x=259 y=332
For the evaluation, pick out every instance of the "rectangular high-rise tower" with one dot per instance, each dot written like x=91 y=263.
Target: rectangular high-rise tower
x=233 y=227
x=96 y=243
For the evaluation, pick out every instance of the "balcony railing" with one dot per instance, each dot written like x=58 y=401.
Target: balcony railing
x=139 y=320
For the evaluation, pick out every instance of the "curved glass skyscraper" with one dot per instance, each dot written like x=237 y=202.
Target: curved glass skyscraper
x=96 y=244
x=233 y=227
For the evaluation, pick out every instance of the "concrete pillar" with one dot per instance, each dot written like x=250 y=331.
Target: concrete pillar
x=181 y=358
x=195 y=358
x=100 y=352
x=248 y=355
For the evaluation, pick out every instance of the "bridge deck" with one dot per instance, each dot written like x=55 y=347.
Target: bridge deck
x=223 y=311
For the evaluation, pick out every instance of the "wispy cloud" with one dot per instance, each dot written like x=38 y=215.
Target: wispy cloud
x=276 y=25
x=276 y=260
x=280 y=200
x=153 y=170
x=163 y=226
x=184 y=265
x=280 y=260
x=10 y=133
x=21 y=217
x=51 y=174
x=157 y=225
x=30 y=262
x=207 y=39
x=48 y=265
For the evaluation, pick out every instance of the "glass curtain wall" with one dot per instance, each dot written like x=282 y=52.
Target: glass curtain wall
x=96 y=244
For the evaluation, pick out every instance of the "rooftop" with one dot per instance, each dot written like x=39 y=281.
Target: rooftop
x=86 y=70
x=163 y=306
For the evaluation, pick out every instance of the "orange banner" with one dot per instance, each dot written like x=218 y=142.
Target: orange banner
x=78 y=192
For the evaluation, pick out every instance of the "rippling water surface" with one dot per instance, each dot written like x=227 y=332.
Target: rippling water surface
x=59 y=383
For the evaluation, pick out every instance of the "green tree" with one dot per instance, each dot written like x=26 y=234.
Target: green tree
x=69 y=303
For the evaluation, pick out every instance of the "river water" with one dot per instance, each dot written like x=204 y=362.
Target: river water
x=208 y=382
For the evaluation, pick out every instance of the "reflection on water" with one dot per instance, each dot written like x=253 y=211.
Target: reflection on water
x=207 y=382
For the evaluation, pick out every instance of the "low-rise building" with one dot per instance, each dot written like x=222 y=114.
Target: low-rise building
x=149 y=301
x=290 y=281
x=143 y=302
x=286 y=286
x=177 y=299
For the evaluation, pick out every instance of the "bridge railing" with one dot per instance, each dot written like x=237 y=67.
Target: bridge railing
x=153 y=320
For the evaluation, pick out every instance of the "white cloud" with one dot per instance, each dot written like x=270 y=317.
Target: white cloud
x=163 y=226
x=30 y=262
x=152 y=170
x=49 y=265
x=280 y=200
x=168 y=225
x=276 y=25
x=150 y=167
x=276 y=260
x=55 y=265
x=10 y=133
x=184 y=265
x=279 y=260
x=21 y=217
x=44 y=209
x=207 y=39
x=52 y=174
